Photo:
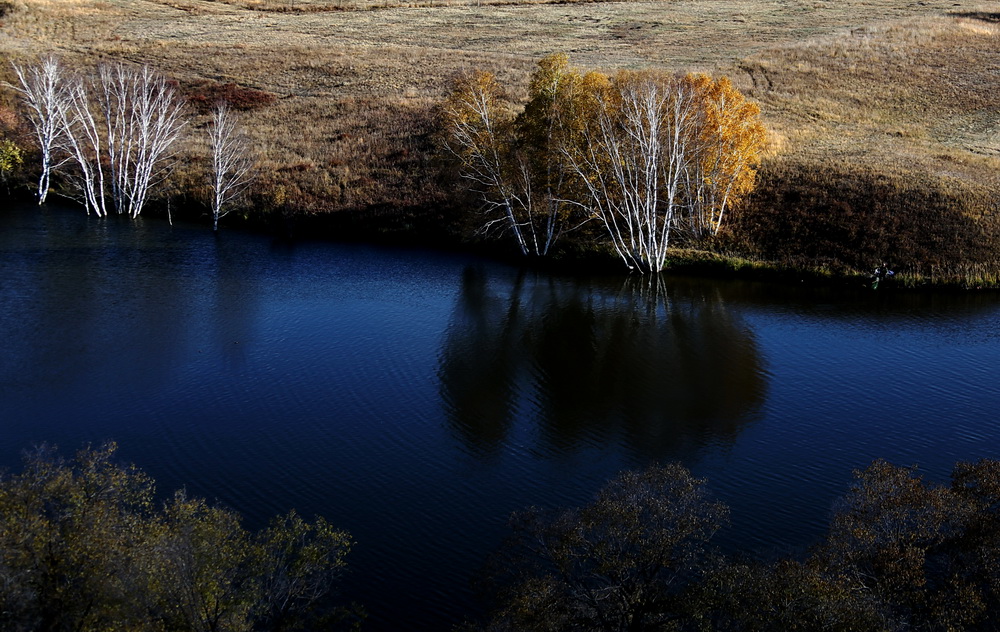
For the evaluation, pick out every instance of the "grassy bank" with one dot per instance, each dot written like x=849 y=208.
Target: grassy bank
x=885 y=135
x=722 y=265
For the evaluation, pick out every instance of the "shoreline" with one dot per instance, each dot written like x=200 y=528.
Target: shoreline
x=873 y=160
x=364 y=227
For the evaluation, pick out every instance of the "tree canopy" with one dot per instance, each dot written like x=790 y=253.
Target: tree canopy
x=900 y=554
x=650 y=155
x=85 y=546
x=620 y=563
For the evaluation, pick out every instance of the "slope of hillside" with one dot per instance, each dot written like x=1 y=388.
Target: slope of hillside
x=885 y=95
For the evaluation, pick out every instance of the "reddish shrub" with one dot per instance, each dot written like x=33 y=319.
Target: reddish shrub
x=203 y=95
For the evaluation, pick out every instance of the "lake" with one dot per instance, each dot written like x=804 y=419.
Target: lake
x=417 y=398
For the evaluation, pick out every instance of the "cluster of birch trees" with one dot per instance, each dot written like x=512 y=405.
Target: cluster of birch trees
x=113 y=135
x=650 y=155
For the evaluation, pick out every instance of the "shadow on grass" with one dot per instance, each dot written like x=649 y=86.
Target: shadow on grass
x=982 y=16
x=847 y=218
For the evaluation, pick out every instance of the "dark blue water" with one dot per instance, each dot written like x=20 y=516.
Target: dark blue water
x=417 y=398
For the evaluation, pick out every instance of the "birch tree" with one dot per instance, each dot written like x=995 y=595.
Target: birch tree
x=232 y=160
x=85 y=146
x=44 y=92
x=143 y=119
x=666 y=157
x=730 y=145
x=513 y=162
x=633 y=156
x=119 y=128
x=549 y=121
x=651 y=155
x=479 y=136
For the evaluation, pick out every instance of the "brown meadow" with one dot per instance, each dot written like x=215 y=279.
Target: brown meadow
x=884 y=129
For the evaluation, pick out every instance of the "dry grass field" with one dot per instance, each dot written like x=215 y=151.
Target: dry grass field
x=874 y=105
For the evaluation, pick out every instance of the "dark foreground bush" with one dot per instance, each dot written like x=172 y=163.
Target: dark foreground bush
x=900 y=554
x=83 y=546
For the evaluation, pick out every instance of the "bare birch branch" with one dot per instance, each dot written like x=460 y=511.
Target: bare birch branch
x=232 y=160
x=143 y=119
x=44 y=93
x=83 y=143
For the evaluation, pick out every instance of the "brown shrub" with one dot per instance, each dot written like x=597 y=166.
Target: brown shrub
x=204 y=94
x=8 y=120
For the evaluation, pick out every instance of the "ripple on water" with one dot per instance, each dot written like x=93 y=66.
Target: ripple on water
x=416 y=400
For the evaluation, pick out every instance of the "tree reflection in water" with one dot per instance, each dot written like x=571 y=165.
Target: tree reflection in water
x=659 y=366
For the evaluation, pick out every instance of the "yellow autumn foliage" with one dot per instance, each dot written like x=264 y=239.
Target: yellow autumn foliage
x=654 y=156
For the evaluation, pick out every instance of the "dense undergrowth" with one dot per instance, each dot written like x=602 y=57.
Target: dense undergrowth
x=87 y=544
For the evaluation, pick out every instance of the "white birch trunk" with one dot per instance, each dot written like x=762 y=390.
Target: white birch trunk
x=232 y=160
x=83 y=142
x=142 y=121
x=44 y=93
x=634 y=165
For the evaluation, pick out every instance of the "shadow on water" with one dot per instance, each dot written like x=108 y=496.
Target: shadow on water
x=417 y=399
x=657 y=366
x=100 y=309
x=63 y=280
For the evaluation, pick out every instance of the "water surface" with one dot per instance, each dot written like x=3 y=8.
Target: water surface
x=417 y=398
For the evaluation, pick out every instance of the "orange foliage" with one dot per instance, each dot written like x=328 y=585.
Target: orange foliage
x=651 y=155
x=732 y=140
